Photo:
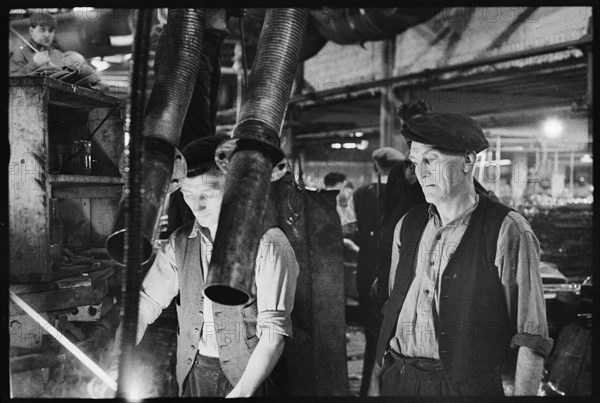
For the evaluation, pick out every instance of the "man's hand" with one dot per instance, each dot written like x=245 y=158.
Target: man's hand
x=374 y=389
x=41 y=58
x=261 y=364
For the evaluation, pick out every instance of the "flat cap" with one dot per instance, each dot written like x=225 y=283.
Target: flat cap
x=449 y=131
x=200 y=155
x=42 y=18
x=387 y=157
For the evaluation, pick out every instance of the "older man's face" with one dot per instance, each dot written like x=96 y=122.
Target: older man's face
x=441 y=175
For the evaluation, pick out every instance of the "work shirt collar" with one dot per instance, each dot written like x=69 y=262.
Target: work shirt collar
x=462 y=220
x=199 y=229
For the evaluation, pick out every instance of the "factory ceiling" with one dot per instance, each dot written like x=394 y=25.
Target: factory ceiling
x=518 y=96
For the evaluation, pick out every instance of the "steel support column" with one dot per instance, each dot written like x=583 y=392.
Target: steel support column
x=387 y=106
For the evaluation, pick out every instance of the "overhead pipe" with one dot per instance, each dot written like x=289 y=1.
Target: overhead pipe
x=356 y=25
x=253 y=157
x=177 y=65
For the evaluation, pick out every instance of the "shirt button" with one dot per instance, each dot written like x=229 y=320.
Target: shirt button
x=199 y=313
x=188 y=361
x=196 y=330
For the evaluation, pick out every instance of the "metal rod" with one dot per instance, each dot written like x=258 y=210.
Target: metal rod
x=243 y=43
x=64 y=341
x=14 y=31
x=571 y=174
x=133 y=204
x=103 y=120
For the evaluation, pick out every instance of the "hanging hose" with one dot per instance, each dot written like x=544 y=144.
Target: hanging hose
x=177 y=64
x=253 y=153
x=133 y=250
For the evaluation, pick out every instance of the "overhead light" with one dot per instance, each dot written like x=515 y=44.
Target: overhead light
x=99 y=64
x=553 y=127
x=359 y=134
x=363 y=145
x=121 y=40
x=586 y=159
x=336 y=146
x=349 y=146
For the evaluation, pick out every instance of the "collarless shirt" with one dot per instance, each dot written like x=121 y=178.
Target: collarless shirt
x=416 y=320
x=517 y=260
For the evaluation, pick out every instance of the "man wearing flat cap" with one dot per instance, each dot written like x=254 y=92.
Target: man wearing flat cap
x=231 y=351
x=465 y=285
x=39 y=52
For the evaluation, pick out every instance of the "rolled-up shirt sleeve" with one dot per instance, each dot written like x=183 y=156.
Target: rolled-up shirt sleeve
x=159 y=287
x=518 y=259
x=276 y=276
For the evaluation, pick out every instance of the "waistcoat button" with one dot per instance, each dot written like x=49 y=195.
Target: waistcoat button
x=193 y=347
x=196 y=330
x=188 y=361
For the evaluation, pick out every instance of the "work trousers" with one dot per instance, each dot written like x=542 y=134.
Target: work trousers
x=207 y=379
x=404 y=376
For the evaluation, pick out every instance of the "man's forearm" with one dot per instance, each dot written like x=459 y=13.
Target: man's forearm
x=529 y=371
x=261 y=364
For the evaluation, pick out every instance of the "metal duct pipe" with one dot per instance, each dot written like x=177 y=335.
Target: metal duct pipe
x=177 y=66
x=249 y=158
x=355 y=25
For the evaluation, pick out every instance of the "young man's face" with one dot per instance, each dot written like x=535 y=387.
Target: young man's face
x=441 y=175
x=204 y=195
x=42 y=34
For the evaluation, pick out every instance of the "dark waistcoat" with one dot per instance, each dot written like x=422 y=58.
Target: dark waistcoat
x=472 y=326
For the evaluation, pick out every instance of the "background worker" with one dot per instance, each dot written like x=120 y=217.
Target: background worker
x=39 y=51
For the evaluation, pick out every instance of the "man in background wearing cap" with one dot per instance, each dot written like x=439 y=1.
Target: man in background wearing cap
x=221 y=350
x=25 y=59
x=368 y=204
x=465 y=283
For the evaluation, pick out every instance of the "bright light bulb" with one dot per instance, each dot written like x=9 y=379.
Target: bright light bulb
x=363 y=145
x=553 y=127
x=349 y=146
x=336 y=146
